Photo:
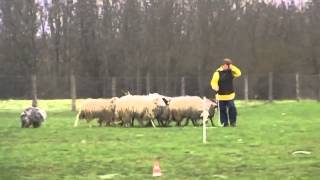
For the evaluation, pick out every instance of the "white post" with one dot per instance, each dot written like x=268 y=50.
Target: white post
x=204 y=130
x=205 y=115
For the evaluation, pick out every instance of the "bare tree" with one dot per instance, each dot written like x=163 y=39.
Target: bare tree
x=21 y=23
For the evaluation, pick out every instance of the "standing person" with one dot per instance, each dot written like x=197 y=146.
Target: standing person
x=222 y=84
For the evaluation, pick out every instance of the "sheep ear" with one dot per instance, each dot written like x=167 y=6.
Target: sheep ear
x=165 y=101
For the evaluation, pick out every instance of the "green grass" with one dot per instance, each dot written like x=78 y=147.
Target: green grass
x=260 y=147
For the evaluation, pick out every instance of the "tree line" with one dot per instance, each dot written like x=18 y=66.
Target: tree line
x=156 y=38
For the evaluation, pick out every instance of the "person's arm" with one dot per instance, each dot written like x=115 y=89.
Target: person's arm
x=235 y=71
x=214 y=81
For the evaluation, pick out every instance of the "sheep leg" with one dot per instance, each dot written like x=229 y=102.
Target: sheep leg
x=197 y=122
x=23 y=124
x=160 y=122
x=132 y=122
x=212 y=122
x=36 y=124
x=100 y=121
x=151 y=120
x=194 y=122
x=27 y=124
x=107 y=123
x=127 y=120
x=177 y=117
x=186 y=122
x=144 y=122
x=166 y=122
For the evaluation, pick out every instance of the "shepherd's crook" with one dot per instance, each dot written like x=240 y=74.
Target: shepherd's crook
x=218 y=111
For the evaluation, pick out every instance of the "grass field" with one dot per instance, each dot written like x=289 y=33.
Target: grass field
x=260 y=147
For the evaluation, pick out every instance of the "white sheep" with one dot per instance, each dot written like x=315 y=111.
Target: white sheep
x=189 y=108
x=102 y=109
x=142 y=108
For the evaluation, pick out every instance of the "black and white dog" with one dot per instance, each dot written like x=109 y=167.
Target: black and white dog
x=32 y=116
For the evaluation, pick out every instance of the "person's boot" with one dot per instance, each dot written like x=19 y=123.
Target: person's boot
x=233 y=125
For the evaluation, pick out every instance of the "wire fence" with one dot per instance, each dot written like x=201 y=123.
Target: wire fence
x=252 y=86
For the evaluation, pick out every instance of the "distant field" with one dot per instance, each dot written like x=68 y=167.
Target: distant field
x=260 y=147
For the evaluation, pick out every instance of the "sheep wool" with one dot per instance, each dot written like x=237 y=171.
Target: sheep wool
x=137 y=106
x=186 y=102
x=189 y=107
x=102 y=109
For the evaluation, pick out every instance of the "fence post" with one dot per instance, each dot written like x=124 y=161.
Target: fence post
x=34 y=90
x=270 y=86
x=318 y=88
x=148 y=83
x=114 y=86
x=183 y=86
x=298 y=86
x=73 y=92
x=246 y=88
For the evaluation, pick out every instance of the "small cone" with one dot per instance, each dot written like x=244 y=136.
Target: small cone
x=156 y=169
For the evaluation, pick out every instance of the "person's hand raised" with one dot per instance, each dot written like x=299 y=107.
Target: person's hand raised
x=225 y=67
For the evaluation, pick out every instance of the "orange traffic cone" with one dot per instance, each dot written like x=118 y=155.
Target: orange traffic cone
x=156 y=169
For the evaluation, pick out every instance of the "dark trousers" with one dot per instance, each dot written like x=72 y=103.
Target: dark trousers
x=228 y=109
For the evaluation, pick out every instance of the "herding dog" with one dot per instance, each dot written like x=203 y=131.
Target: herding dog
x=32 y=116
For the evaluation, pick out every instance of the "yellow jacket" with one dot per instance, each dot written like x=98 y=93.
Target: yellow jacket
x=215 y=79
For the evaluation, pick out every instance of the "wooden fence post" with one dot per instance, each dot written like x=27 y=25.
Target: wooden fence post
x=148 y=83
x=73 y=92
x=183 y=86
x=34 y=90
x=318 y=88
x=298 y=87
x=114 y=86
x=270 y=86
x=246 y=88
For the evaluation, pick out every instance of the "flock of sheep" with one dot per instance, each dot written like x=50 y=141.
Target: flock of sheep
x=145 y=109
